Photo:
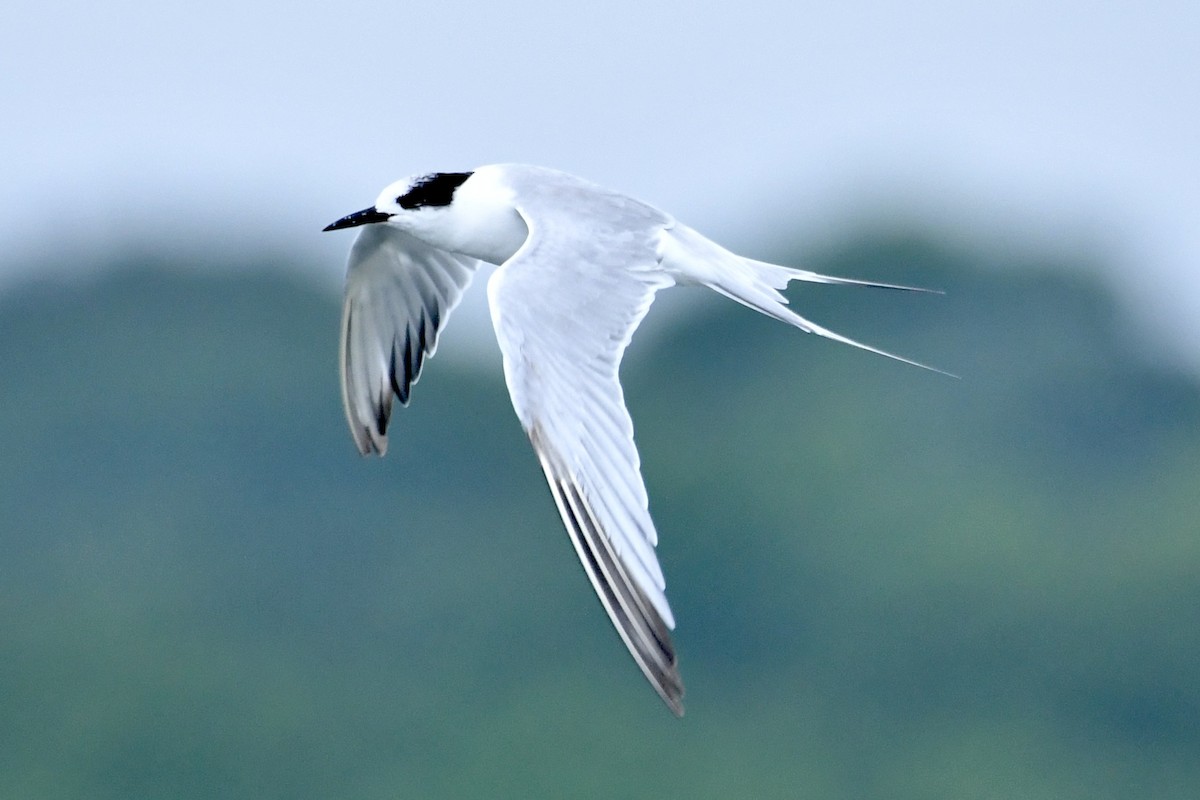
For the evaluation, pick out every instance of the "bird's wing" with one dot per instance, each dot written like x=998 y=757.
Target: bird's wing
x=399 y=292
x=564 y=308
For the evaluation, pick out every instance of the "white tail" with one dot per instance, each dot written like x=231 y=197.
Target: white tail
x=692 y=258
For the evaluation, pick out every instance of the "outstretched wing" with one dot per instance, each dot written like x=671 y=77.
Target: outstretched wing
x=564 y=308
x=399 y=292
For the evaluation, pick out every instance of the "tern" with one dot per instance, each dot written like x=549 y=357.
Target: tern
x=579 y=266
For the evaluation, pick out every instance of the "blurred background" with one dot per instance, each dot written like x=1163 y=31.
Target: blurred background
x=888 y=583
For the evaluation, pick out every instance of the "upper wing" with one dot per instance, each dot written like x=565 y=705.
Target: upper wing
x=564 y=308
x=399 y=292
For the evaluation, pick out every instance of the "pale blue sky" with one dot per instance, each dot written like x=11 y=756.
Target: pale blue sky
x=757 y=122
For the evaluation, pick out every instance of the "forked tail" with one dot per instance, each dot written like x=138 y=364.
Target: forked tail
x=756 y=284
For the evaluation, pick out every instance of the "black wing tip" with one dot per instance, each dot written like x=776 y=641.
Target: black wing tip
x=672 y=693
x=370 y=434
x=638 y=623
x=369 y=441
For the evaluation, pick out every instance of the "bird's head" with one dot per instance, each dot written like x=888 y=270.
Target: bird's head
x=409 y=204
x=469 y=213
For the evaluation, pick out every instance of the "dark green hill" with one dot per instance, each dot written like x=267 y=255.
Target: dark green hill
x=888 y=583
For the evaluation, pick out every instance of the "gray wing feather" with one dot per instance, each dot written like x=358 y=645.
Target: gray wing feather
x=640 y=626
x=399 y=292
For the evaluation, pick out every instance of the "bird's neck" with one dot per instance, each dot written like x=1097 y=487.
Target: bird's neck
x=482 y=223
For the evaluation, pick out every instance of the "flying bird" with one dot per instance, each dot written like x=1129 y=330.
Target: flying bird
x=579 y=268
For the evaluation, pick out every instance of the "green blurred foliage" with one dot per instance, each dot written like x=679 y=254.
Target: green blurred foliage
x=888 y=583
